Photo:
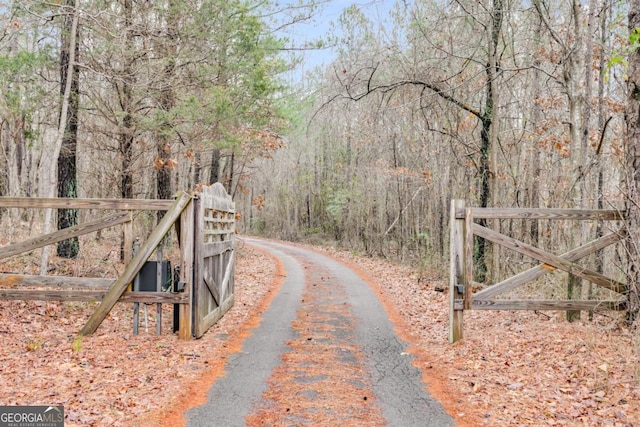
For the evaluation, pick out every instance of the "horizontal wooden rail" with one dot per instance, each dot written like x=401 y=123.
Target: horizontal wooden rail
x=216 y=248
x=155 y=297
x=523 y=213
x=72 y=203
x=209 y=233
x=83 y=295
x=8 y=280
x=51 y=295
x=584 y=305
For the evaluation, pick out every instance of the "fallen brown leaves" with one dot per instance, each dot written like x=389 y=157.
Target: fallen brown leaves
x=322 y=379
x=512 y=368
x=114 y=378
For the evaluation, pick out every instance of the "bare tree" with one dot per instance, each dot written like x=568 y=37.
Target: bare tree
x=50 y=177
x=633 y=162
x=67 y=175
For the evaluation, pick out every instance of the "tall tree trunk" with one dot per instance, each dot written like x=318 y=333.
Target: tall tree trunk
x=126 y=128
x=534 y=187
x=166 y=101
x=125 y=92
x=633 y=166
x=67 y=179
x=602 y=124
x=586 y=183
x=230 y=165
x=488 y=134
x=50 y=177
x=214 y=173
x=580 y=113
x=4 y=163
x=197 y=169
x=572 y=72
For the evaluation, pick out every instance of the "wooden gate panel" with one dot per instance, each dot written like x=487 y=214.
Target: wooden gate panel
x=463 y=233
x=215 y=254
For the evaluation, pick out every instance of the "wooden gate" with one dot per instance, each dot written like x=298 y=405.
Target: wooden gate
x=205 y=223
x=214 y=257
x=463 y=231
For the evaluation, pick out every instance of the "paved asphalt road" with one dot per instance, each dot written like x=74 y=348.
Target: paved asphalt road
x=324 y=354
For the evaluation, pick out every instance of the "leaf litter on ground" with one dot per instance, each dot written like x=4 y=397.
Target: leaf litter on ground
x=511 y=369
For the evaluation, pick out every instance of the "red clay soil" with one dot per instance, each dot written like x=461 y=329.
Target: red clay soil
x=195 y=392
x=322 y=380
x=436 y=383
x=511 y=369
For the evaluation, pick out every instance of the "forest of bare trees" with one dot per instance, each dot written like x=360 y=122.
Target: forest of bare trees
x=502 y=103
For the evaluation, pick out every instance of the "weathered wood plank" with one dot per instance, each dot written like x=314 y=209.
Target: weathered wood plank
x=548 y=258
x=218 y=232
x=186 y=238
x=583 y=305
x=67 y=233
x=456 y=253
x=159 y=288
x=216 y=248
x=72 y=203
x=199 y=285
x=525 y=213
x=155 y=297
x=542 y=269
x=64 y=282
x=210 y=319
x=216 y=220
x=216 y=197
x=136 y=264
x=468 y=257
x=211 y=285
x=127 y=250
x=228 y=271
x=51 y=295
x=84 y=295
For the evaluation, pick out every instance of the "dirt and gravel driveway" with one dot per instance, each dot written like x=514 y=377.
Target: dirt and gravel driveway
x=511 y=369
x=325 y=354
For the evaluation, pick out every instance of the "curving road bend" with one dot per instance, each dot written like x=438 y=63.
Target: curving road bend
x=325 y=354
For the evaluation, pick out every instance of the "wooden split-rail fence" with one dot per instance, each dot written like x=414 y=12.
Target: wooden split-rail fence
x=205 y=225
x=461 y=286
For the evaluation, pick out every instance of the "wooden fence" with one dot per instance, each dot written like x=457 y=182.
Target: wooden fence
x=206 y=267
x=461 y=284
x=214 y=259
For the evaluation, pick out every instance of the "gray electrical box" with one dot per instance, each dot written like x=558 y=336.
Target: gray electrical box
x=149 y=273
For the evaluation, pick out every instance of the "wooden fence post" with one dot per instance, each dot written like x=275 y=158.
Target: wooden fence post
x=127 y=241
x=456 y=276
x=187 y=242
x=468 y=242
